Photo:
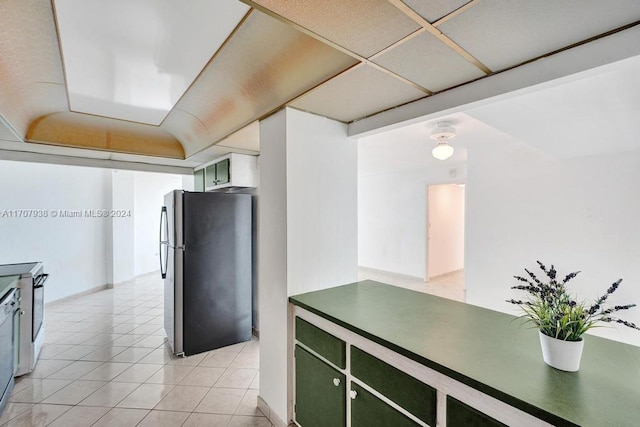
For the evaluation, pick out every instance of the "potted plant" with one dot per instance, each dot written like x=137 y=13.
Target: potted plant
x=560 y=318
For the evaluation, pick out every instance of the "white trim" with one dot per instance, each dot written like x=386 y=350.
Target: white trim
x=56 y=159
x=441 y=408
x=484 y=403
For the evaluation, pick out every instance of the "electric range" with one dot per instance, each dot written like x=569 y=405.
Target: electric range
x=31 y=300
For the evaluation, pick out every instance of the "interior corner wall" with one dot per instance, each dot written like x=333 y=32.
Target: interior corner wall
x=392 y=218
x=149 y=191
x=307 y=229
x=322 y=203
x=578 y=214
x=272 y=266
x=72 y=247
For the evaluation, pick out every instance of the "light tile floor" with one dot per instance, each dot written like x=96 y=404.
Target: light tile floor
x=105 y=362
x=449 y=286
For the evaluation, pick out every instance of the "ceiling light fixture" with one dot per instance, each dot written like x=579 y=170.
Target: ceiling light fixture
x=442 y=133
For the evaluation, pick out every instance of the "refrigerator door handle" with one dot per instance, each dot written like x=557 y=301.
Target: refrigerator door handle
x=164 y=226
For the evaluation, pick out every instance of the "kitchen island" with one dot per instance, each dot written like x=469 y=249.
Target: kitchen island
x=409 y=358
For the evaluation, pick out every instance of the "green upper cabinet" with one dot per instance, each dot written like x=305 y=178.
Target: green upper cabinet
x=223 y=172
x=320 y=393
x=198 y=177
x=233 y=170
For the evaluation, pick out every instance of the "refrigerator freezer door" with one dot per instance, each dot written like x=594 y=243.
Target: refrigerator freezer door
x=217 y=270
x=173 y=281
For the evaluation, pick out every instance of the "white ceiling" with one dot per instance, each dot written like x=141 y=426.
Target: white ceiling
x=134 y=60
x=590 y=113
x=593 y=113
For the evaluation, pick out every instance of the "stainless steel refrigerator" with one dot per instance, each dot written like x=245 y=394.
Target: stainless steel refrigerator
x=206 y=264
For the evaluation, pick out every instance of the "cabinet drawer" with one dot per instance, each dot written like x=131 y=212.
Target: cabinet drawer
x=320 y=392
x=369 y=411
x=460 y=414
x=416 y=397
x=323 y=343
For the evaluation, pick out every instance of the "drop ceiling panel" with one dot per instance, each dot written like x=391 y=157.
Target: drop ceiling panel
x=432 y=10
x=428 y=62
x=263 y=66
x=357 y=93
x=134 y=60
x=361 y=26
x=504 y=33
x=29 y=62
x=247 y=138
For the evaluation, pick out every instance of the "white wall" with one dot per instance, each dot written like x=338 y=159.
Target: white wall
x=392 y=214
x=322 y=221
x=122 y=209
x=81 y=253
x=73 y=250
x=307 y=228
x=272 y=268
x=579 y=214
x=149 y=191
x=445 y=249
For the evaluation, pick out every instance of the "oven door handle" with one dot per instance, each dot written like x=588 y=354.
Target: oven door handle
x=40 y=284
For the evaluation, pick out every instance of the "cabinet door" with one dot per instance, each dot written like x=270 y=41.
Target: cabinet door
x=369 y=411
x=415 y=397
x=320 y=392
x=462 y=415
x=223 y=172
x=198 y=177
x=210 y=176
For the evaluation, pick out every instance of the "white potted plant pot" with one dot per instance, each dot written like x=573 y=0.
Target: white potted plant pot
x=560 y=354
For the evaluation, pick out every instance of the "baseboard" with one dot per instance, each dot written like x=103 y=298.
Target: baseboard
x=390 y=273
x=79 y=294
x=132 y=280
x=271 y=416
x=448 y=273
x=119 y=284
x=101 y=288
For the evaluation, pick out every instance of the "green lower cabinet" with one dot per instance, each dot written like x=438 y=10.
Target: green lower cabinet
x=369 y=411
x=462 y=415
x=326 y=345
x=321 y=399
x=410 y=394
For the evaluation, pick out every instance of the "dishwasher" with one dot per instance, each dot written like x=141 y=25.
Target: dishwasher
x=8 y=306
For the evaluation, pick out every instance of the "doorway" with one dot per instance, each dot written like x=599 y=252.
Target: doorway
x=445 y=230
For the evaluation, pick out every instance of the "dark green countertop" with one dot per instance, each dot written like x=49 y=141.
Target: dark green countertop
x=490 y=351
x=6 y=283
